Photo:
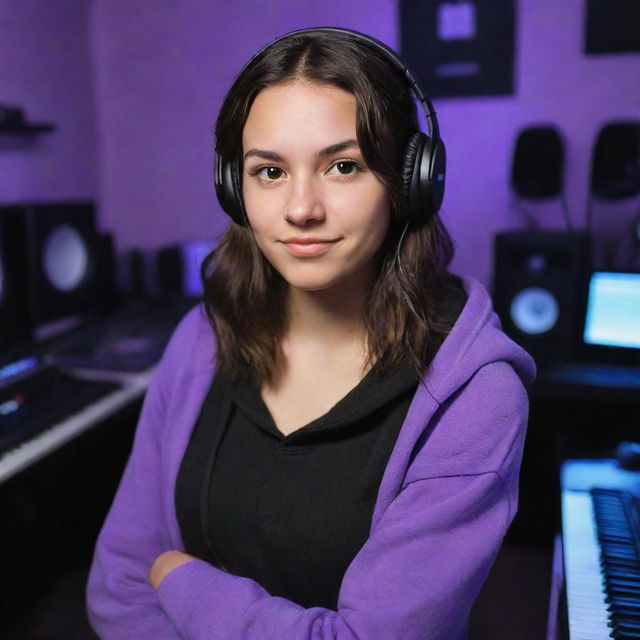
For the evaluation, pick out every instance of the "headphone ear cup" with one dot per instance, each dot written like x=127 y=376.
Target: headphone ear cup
x=437 y=170
x=229 y=190
x=411 y=175
x=423 y=176
x=410 y=170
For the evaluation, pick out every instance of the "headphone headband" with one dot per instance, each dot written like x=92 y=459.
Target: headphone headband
x=378 y=45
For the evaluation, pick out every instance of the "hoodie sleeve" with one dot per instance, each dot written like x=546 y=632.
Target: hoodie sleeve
x=421 y=569
x=121 y=602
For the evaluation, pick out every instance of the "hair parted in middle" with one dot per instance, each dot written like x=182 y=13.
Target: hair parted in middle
x=245 y=298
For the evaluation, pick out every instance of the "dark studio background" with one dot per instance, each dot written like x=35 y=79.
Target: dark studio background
x=133 y=89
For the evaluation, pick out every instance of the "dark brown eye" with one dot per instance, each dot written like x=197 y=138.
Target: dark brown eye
x=345 y=167
x=271 y=173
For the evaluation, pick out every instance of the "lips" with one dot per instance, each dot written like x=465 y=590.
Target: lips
x=306 y=247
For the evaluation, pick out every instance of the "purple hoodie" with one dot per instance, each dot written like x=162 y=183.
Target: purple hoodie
x=447 y=497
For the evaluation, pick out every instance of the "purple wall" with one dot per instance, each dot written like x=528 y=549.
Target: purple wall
x=45 y=68
x=161 y=75
x=161 y=68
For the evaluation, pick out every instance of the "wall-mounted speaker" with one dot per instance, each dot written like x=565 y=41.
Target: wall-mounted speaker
x=615 y=170
x=538 y=286
x=538 y=161
x=51 y=253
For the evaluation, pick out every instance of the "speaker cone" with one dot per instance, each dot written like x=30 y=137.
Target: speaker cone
x=65 y=258
x=534 y=311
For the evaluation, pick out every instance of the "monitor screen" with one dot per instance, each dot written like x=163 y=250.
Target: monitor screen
x=613 y=310
x=194 y=254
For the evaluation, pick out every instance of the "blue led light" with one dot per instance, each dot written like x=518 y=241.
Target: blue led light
x=14 y=368
x=11 y=406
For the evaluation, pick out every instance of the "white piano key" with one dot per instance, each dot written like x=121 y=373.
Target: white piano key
x=586 y=607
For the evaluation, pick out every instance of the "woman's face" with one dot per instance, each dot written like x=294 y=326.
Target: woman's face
x=317 y=212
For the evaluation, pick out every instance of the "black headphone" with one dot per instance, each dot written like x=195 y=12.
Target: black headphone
x=425 y=158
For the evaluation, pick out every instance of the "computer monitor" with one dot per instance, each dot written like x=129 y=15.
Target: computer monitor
x=178 y=267
x=612 y=313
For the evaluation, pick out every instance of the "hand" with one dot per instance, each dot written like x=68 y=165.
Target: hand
x=165 y=563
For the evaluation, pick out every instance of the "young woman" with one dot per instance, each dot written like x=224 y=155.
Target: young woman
x=330 y=446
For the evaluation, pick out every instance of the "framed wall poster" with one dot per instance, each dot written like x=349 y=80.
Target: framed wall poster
x=612 y=26
x=460 y=47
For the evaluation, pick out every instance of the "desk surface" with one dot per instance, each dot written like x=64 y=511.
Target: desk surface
x=578 y=382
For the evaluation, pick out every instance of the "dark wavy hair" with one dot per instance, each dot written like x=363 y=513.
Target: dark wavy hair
x=246 y=298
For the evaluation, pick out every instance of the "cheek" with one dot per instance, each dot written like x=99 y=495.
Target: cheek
x=378 y=232
x=250 y=201
x=260 y=237
x=260 y=211
x=373 y=225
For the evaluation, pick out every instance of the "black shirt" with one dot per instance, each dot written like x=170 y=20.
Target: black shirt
x=291 y=512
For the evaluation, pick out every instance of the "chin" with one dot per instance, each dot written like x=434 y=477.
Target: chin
x=323 y=276
x=312 y=284
x=311 y=281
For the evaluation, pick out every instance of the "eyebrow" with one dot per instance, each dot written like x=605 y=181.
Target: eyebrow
x=327 y=151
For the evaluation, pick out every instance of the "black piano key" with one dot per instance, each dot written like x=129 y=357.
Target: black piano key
x=629 y=545
x=621 y=600
x=622 y=573
x=617 y=619
x=621 y=582
x=614 y=554
x=627 y=623
x=621 y=562
x=620 y=590
x=623 y=609
x=626 y=631
x=623 y=547
x=618 y=595
x=607 y=547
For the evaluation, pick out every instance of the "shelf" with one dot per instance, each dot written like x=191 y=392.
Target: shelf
x=26 y=129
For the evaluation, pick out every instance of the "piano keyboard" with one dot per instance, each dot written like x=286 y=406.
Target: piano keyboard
x=602 y=564
x=32 y=450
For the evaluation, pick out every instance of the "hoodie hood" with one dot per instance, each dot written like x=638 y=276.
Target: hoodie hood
x=475 y=385
x=475 y=340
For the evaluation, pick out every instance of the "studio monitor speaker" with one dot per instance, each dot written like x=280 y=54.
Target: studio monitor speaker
x=13 y=295
x=50 y=257
x=615 y=169
x=538 y=163
x=106 y=290
x=539 y=280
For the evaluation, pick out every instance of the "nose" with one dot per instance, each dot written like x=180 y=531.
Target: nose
x=305 y=204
